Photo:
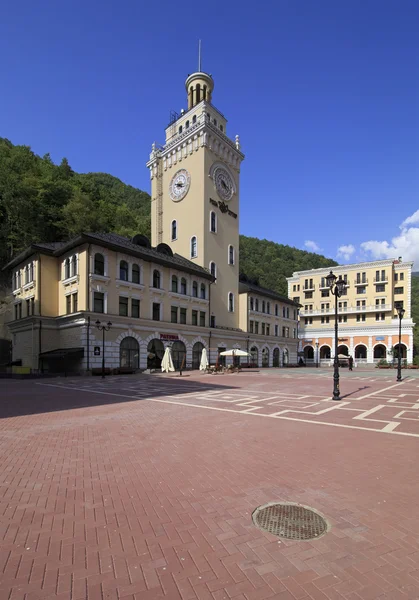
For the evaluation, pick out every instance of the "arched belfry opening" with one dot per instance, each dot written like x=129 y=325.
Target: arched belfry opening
x=199 y=86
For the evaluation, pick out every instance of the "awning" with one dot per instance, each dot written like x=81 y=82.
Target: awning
x=63 y=353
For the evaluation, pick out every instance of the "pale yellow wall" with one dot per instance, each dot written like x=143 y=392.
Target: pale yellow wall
x=48 y=281
x=243 y=311
x=271 y=319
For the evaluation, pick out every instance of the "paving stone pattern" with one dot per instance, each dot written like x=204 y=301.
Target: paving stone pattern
x=138 y=488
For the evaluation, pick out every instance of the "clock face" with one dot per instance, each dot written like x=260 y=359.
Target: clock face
x=223 y=183
x=179 y=186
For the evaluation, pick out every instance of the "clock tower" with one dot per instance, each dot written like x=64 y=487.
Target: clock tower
x=195 y=195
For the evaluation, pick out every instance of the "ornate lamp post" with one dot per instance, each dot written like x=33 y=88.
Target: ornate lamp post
x=400 y=312
x=317 y=355
x=103 y=328
x=336 y=287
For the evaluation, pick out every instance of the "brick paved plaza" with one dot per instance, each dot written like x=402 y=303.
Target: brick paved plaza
x=143 y=487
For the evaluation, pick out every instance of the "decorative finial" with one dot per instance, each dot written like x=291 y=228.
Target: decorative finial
x=199 y=56
x=237 y=142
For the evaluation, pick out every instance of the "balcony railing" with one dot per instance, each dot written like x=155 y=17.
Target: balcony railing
x=361 y=281
x=346 y=310
x=308 y=288
x=381 y=280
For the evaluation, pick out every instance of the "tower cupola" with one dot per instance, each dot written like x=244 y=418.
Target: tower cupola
x=199 y=86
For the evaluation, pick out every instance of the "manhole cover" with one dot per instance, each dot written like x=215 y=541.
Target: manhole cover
x=290 y=521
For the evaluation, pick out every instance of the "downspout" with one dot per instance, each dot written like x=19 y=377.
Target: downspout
x=209 y=310
x=88 y=308
x=40 y=311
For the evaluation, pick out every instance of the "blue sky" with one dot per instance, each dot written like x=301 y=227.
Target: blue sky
x=324 y=95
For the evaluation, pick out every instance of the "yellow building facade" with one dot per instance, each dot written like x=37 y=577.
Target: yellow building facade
x=367 y=311
x=181 y=288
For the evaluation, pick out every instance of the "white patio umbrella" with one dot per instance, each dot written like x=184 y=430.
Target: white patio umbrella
x=235 y=352
x=167 y=362
x=204 y=360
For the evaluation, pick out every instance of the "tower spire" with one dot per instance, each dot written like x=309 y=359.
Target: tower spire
x=199 y=56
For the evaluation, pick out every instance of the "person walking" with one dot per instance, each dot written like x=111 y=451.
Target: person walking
x=351 y=363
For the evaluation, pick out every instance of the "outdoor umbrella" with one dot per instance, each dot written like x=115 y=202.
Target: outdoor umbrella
x=234 y=352
x=204 y=360
x=342 y=356
x=167 y=362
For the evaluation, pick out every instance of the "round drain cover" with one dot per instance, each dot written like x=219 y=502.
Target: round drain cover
x=290 y=521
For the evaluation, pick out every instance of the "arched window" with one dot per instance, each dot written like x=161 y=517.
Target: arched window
x=129 y=353
x=283 y=311
x=275 y=357
x=203 y=291
x=174 y=230
x=221 y=128
x=265 y=357
x=197 y=354
x=213 y=222
x=198 y=93
x=257 y=304
x=123 y=270
x=263 y=306
x=67 y=268
x=135 y=273
x=276 y=310
x=252 y=304
x=215 y=122
x=74 y=265
x=30 y=271
x=99 y=264
x=204 y=92
x=156 y=278
x=183 y=288
x=180 y=128
x=213 y=269
x=268 y=308
x=254 y=356
x=231 y=255
x=195 y=289
x=194 y=119
x=174 y=284
x=187 y=124
x=230 y=302
x=194 y=251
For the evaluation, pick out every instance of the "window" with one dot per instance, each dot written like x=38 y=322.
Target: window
x=212 y=321
x=68 y=304
x=380 y=316
x=263 y=328
x=308 y=295
x=18 y=310
x=32 y=306
x=362 y=289
x=295 y=314
x=123 y=270
x=263 y=306
x=183 y=316
x=194 y=119
x=187 y=124
x=135 y=273
x=194 y=252
x=99 y=264
x=195 y=289
x=67 y=272
x=325 y=293
x=203 y=291
x=202 y=319
x=297 y=299
x=174 y=230
x=294 y=333
x=276 y=310
x=288 y=312
x=75 y=302
x=99 y=302
x=74 y=265
x=231 y=255
x=257 y=305
x=194 y=317
x=276 y=330
x=123 y=306
x=251 y=326
x=29 y=273
x=257 y=327
x=230 y=302
x=174 y=284
x=396 y=276
x=180 y=128
x=380 y=288
x=156 y=279
x=16 y=280
x=135 y=308
x=286 y=332
x=213 y=269
x=213 y=222
x=360 y=317
x=28 y=308
x=343 y=318
x=401 y=276
x=268 y=329
x=183 y=288
x=173 y=314
x=268 y=308
x=215 y=122
x=283 y=312
x=156 y=311
x=252 y=304
x=399 y=290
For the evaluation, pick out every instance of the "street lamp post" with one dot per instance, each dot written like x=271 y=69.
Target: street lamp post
x=336 y=287
x=103 y=328
x=400 y=312
x=317 y=355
